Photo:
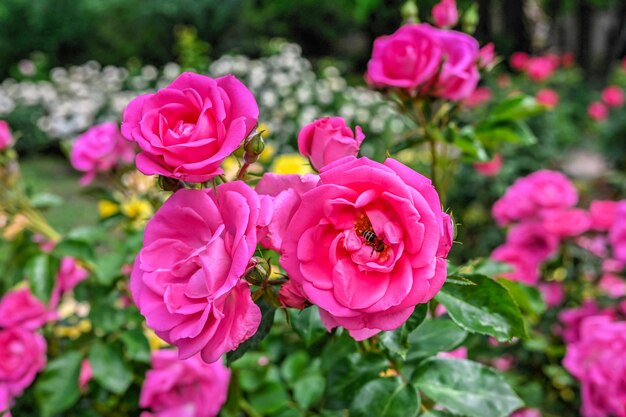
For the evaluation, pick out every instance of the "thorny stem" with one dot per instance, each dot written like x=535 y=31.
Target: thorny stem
x=243 y=170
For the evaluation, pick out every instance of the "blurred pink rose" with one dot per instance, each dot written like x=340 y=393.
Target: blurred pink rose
x=445 y=14
x=459 y=74
x=568 y=60
x=22 y=356
x=596 y=360
x=519 y=60
x=327 y=140
x=596 y=245
x=525 y=265
x=613 y=96
x=487 y=57
x=533 y=239
x=70 y=274
x=187 y=129
x=489 y=168
x=100 y=149
x=187 y=277
x=407 y=59
x=597 y=111
x=367 y=244
x=612 y=285
x=479 y=96
x=613 y=265
x=527 y=412
x=602 y=213
x=553 y=293
x=503 y=363
x=458 y=353
x=86 y=374
x=572 y=319
x=6 y=138
x=548 y=97
x=540 y=68
x=184 y=388
x=19 y=308
x=566 y=222
x=617 y=233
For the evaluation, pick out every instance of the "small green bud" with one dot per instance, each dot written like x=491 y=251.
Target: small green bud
x=258 y=271
x=409 y=12
x=253 y=148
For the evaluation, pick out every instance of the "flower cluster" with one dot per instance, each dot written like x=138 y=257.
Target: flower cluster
x=537 y=68
x=611 y=97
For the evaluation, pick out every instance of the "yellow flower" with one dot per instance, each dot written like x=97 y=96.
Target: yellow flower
x=107 y=208
x=267 y=154
x=291 y=164
x=137 y=209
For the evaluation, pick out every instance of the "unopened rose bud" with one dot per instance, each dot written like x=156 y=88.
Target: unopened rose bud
x=258 y=271
x=170 y=184
x=253 y=148
x=409 y=12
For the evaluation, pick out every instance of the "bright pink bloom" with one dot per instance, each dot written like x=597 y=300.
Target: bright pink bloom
x=100 y=149
x=566 y=222
x=572 y=319
x=596 y=360
x=6 y=138
x=533 y=239
x=525 y=265
x=598 y=111
x=459 y=74
x=445 y=14
x=519 y=60
x=613 y=96
x=187 y=277
x=602 y=213
x=487 y=57
x=617 y=233
x=70 y=274
x=187 y=129
x=327 y=140
x=548 y=97
x=479 y=96
x=86 y=374
x=612 y=285
x=407 y=59
x=184 y=388
x=22 y=356
x=367 y=244
x=458 y=353
x=539 y=68
x=489 y=168
x=553 y=293
x=19 y=308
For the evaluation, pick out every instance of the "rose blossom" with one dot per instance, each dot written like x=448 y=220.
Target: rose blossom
x=487 y=56
x=519 y=60
x=99 y=149
x=568 y=60
x=459 y=74
x=602 y=213
x=458 y=353
x=69 y=275
x=5 y=401
x=553 y=293
x=539 y=68
x=566 y=222
x=596 y=360
x=86 y=374
x=186 y=279
x=183 y=388
x=525 y=265
x=6 y=138
x=548 y=97
x=617 y=233
x=531 y=238
x=406 y=59
x=572 y=319
x=445 y=13
x=489 y=168
x=597 y=111
x=613 y=96
x=327 y=140
x=367 y=244
x=612 y=285
x=187 y=129
x=479 y=96
x=291 y=296
x=19 y=308
x=22 y=356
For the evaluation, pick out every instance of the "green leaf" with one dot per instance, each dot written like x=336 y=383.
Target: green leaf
x=56 y=389
x=386 y=397
x=468 y=142
x=74 y=248
x=109 y=368
x=267 y=319
x=395 y=341
x=109 y=267
x=41 y=270
x=466 y=388
x=485 y=308
x=492 y=134
x=517 y=107
x=271 y=398
x=434 y=336
x=308 y=390
x=308 y=325
x=45 y=200
x=437 y=413
x=294 y=365
x=137 y=345
x=528 y=298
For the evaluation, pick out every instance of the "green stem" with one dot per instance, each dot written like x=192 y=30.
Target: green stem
x=247 y=408
x=434 y=161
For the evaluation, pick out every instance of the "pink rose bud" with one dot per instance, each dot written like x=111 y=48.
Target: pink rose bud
x=548 y=97
x=602 y=214
x=489 y=168
x=487 y=56
x=6 y=138
x=19 y=308
x=291 y=296
x=479 y=96
x=86 y=374
x=406 y=59
x=69 y=275
x=458 y=353
x=327 y=140
x=22 y=355
x=184 y=388
x=613 y=96
x=99 y=150
x=598 y=111
x=540 y=68
x=568 y=60
x=187 y=129
x=519 y=60
x=445 y=13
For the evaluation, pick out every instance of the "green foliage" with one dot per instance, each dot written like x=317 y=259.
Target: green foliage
x=388 y=397
x=56 y=389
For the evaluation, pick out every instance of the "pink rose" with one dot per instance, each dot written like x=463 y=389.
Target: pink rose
x=531 y=238
x=479 y=96
x=612 y=285
x=617 y=233
x=5 y=401
x=458 y=353
x=566 y=222
x=548 y=97
x=519 y=60
x=367 y=244
x=86 y=374
x=568 y=60
x=187 y=129
x=19 y=308
x=6 y=138
x=184 y=388
x=291 y=296
x=553 y=293
x=613 y=96
x=407 y=59
x=100 y=149
x=284 y=192
x=539 y=68
x=597 y=111
x=503 y=363
x=69 y=275
x=459 y=74
x=596 y=360
x=489 y=168
x=22 y=356
x=187 y=277
x=572 y=319
x=602 y=213
x=327 y=140
x=445 y=14
x=525 y=265
x=487 y=57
